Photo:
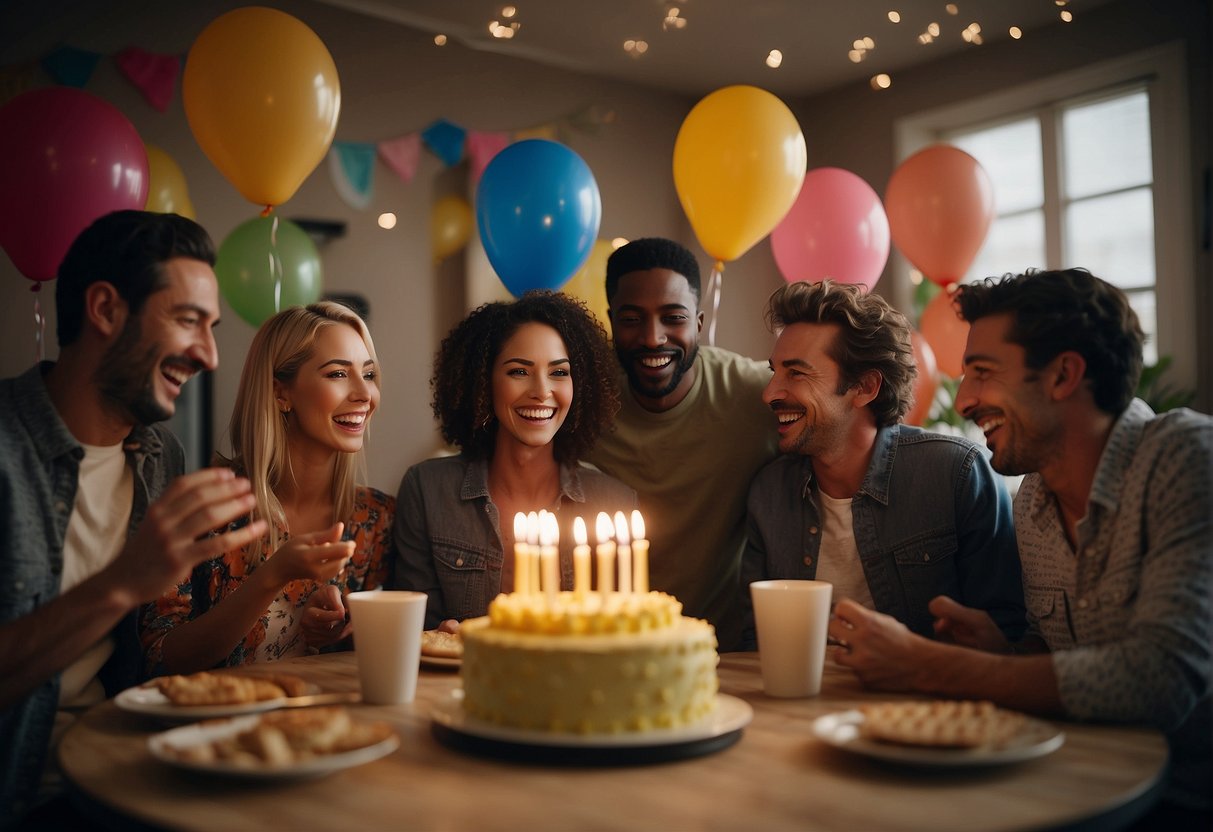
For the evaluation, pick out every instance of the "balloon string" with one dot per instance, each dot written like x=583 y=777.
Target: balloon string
x=714 y=285
x=39 y=325
x=275 y=265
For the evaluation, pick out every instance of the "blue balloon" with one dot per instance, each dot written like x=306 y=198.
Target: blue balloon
x=538 y=211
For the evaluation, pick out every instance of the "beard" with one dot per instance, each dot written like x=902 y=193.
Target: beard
x=682 y=363
x=126 y=376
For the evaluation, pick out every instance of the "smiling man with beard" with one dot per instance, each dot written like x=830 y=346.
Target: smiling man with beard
x=1114 y=526
x=898 y=519
x=690 y=434
x=93 y=522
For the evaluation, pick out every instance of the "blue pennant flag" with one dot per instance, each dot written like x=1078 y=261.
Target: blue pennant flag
x=71 y=67
x=446 y=140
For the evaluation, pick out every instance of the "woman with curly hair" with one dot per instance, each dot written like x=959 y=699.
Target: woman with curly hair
x=523 y=389
x=309 y=388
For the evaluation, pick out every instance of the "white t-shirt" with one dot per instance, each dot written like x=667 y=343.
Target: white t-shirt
x=96 y=533
x=838 y=559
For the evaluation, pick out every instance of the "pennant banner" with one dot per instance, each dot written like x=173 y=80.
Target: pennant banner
x=352 y=166
x=445 y=140
x=402 y=155
x=482 y=147
x=71 y=67
x=153 y=75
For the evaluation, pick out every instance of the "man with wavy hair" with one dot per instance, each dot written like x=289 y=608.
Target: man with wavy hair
x=898 y=519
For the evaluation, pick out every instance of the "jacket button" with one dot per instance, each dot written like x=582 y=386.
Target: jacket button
x=812 y=530
x=1082 y=603
x=60 y=506
x=808 y=560
x=925 y=557
x=459 y=562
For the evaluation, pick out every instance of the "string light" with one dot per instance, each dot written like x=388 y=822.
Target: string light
x=508 y=12
x=881 y=81
x=774 y=58
x=673 y=19
x=951 y=9
x=619 y=242
x=1015 y=32
x=635 y=48
x=1067 y=16
x=440 y=40
x=894 y=17
x=387 y=220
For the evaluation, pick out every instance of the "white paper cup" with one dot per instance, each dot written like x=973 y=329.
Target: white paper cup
x=792 y=618
x=387 y=643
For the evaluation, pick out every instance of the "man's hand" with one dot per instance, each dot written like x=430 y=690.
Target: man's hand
x=966 y=626
x=879 y=648
x=172 y=538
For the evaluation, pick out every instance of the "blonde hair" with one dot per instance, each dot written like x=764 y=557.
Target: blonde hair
x=258 y=430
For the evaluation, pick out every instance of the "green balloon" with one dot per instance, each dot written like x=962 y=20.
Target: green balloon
x=266 y=265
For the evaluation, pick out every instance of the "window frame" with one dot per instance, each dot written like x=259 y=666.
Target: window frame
x=1161 y=71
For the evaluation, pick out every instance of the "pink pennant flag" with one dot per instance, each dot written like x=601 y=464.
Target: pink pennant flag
x=401 y=155
x=482 y=147
x=153 y=75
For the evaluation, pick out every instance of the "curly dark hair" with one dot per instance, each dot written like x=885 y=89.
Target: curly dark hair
x=651 y=253
x=462 y=381
x=872 y=336
x=1069 y=310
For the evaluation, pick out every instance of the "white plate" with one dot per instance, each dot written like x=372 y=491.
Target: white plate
x=731 y=714
x=150 y=701
x=841 y=730
x=441 y=662
x=161 y=746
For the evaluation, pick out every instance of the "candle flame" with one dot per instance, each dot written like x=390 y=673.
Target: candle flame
x=637 y=525
x=532 y=528
x=520 y=527
x=605 y=529
x=579 y=535
x=549 y=531
x=621 y=529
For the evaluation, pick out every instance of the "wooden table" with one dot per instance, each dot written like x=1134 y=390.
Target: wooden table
x=777 y=777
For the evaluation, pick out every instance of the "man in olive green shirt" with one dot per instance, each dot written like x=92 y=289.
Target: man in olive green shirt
x=691 y=433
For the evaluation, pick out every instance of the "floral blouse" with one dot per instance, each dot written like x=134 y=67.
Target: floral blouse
x=277 y=634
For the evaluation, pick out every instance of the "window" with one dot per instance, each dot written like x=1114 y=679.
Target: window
x=1089 y=169
x=1101 y=182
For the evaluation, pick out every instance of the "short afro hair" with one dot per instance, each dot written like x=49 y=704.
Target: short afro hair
x=651 y=253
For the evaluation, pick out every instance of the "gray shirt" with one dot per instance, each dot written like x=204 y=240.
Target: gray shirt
x=447 y=532
x=1129 y=616
x=39 y=467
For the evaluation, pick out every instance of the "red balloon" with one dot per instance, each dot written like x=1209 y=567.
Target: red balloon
x=837 y=228
x=925 y=383
x=946 y=332
x=940 y=204
x=66 y=158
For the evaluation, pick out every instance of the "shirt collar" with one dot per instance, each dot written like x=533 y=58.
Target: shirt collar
x=1118 y=454
x=476 y=482
x=880 y=470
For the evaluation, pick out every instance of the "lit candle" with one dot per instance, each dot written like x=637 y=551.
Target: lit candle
x=521 y=555
x=532 y=540
x=581 y=559
x=606 y=554
x=625 y=554
x=549 y=553
x=640 y=554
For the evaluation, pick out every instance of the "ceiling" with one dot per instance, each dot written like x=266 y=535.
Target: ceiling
x=724 y=42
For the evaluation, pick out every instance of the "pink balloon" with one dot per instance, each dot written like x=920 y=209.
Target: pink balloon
x=66 y=158
x=837 y=228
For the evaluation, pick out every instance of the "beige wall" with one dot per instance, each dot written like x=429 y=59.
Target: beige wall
x=395 y=81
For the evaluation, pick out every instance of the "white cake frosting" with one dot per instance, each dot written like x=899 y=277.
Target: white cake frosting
x=589 y=664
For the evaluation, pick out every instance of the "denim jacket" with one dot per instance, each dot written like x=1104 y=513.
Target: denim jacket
x=447 y=533
x=930 y=518
x=39 y=467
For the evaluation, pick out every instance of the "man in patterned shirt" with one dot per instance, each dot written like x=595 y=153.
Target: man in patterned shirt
x=1114 y=527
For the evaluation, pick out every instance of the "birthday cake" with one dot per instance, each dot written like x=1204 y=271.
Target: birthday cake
x=588 y=663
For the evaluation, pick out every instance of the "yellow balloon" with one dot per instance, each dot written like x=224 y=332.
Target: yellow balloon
x=167 y=192
x=262 y=97
x=589 y=282
x=450 y=226
x=739 y=161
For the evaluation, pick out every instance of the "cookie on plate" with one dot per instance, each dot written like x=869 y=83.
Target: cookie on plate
x=941 y=723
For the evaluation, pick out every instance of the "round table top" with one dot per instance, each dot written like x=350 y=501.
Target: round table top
x=777 y=776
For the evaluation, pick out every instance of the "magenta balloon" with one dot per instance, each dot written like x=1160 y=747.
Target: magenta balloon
x=837 y=228
x=66 y=158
